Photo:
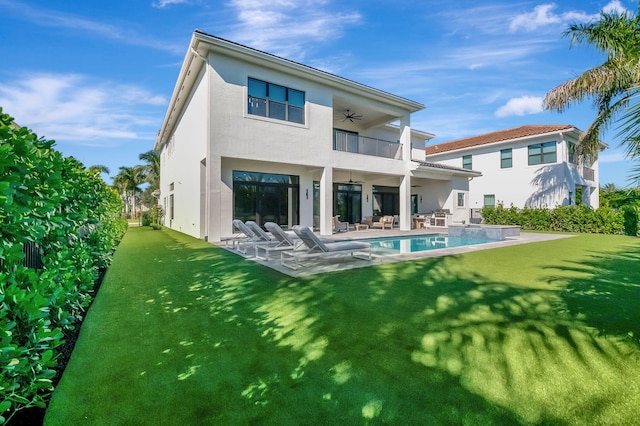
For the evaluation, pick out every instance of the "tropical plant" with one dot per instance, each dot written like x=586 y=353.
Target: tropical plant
x=127 y=182
x=613 y=85
x=152 y=167
x=99 y=168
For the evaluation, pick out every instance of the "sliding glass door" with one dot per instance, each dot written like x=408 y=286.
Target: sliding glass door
x=266 y=197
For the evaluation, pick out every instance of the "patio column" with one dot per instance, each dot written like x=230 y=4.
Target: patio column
x=326 y=201
x=213 y=198
x=405 y=183
x=405 y=203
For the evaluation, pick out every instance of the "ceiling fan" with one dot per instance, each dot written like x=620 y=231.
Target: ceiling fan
x=353 y=182
x=351 y=116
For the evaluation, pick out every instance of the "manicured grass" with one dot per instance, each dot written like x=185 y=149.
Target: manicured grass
x=185 y=333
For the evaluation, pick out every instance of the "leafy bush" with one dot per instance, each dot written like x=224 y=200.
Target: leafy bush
x=630 y=220
x=52 y=203
x=603 y=220
x=152 y=217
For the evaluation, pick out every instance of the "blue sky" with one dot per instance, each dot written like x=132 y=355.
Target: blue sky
x=96 y=76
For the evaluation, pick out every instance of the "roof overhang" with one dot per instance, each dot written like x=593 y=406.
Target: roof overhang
x=424 y=169
x=202 y=44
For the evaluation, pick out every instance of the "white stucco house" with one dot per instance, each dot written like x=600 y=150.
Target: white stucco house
x=531 y=165
x=250 y=135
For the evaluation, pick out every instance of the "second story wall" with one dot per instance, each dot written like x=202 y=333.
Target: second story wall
x=535 y=172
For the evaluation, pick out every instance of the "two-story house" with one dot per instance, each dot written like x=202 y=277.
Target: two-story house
x=249 y=135
x=531 y=165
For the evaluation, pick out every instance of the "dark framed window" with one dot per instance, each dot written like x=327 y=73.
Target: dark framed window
x=275 y=101
x=266 y=197
x=460 y=199
x=542 y=153
x=572 y=152
x=489 y=200
x=386 y=200
x=506 y=158
x=467 y=162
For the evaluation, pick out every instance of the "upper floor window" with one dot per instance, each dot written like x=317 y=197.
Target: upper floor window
x=275 y=101
x=466 y=162
x=542 y=153
x=572 y=152
x=506 y=158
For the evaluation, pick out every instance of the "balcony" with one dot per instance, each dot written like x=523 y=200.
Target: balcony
x=352 y=142
x=588 y=174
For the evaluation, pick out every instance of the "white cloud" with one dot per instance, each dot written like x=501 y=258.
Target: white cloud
x=615 y=6
x=75 y=109
x=544 y=15
x=164 y=3
x=523 y=105
x=285 y=27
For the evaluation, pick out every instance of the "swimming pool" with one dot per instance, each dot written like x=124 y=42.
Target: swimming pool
x=417 y=243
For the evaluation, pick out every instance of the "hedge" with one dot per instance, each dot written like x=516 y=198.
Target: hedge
x=603 y=220
x=52 y=206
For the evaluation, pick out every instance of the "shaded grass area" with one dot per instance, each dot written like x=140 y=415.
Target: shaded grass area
x=186 y=333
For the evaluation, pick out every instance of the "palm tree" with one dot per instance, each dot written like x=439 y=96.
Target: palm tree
x=152 y=167
x=127 y=182
x=98 y=168
x=612 y=85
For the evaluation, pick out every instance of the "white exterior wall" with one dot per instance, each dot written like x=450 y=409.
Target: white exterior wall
x=180 y=165
x=544 y=185
x=276 y=146
x=208 y=133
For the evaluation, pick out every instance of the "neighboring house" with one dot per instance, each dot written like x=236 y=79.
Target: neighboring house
x=250 y=135
x=532 y=166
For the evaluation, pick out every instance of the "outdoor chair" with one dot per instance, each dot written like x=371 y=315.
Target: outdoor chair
x=384 y=222
x=244 y=234
x=249 y=241
x=316 y=248
x=287 y=240
x=340 y=226
x=284 y=241
x=259 y=232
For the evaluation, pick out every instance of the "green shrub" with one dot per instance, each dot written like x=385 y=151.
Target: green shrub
x=630 y=220
x=73 y=219
x=152 y=217
x=603 y=220
x=145 y=218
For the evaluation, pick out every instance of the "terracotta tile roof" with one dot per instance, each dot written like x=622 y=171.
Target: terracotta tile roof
x=501 y=135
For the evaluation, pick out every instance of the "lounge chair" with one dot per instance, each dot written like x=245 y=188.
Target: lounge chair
x=250 y=239
x=287 y=240
x=283 y=241
x=259 y=232
x=315 y=247
x=244 y=234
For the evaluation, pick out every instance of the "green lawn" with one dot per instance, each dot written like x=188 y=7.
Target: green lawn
x=185 y=333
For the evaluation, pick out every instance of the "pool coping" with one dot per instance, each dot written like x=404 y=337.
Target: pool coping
x=343 y=262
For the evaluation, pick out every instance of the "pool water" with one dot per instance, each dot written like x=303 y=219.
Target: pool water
x=417 y=243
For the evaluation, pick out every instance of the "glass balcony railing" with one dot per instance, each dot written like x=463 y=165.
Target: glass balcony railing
x=352 y=142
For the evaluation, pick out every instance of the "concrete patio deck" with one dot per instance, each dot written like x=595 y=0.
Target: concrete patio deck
x=343 y=262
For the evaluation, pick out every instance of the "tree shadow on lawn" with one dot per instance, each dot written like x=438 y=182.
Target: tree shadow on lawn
x=228 y=341
x=608 y=297
x=416 y=343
